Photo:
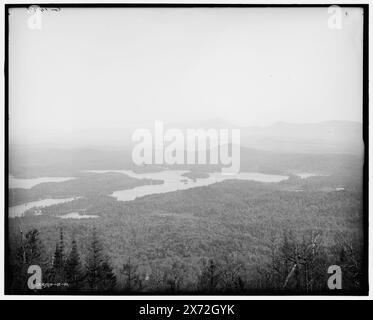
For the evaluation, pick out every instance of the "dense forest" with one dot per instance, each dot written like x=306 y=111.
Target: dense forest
x=294 y=265
x=232 y=236
x=235 y=236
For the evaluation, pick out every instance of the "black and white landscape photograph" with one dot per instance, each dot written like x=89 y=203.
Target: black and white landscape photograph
x=186 y=150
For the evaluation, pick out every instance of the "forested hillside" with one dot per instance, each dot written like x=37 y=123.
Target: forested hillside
x=197 y=239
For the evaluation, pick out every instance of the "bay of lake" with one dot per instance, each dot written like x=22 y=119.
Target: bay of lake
x=19 y=210
x=29 y=183
x=174 y=180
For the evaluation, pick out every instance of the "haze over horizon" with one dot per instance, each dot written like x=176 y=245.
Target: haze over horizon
x=249 y=70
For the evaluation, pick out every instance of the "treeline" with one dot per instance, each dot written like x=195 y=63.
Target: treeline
x=85 y=185
x=293 y=265
x=301 y=265
x=64 y=271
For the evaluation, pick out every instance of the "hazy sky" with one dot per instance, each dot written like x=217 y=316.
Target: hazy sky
x=110 y=68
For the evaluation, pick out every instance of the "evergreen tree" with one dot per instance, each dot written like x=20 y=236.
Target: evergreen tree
x=28 y=252
x=58 y=265
x=99 y=274
x=94 y=262
x=73 y=269
x=132 y=279
x=32 y=248
x=107 y=278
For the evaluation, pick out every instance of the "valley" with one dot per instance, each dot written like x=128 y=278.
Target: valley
x=167 y=223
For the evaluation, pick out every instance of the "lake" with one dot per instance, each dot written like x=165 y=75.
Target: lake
x=19 y=210
x=305 y=175
x=174 y=180
x=77 y=215
x=29 y=183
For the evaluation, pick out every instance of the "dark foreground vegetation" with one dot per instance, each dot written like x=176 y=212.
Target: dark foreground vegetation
x=297 y=265
x=228 y=238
